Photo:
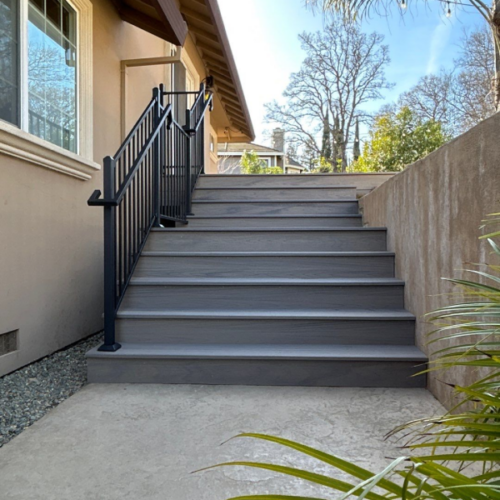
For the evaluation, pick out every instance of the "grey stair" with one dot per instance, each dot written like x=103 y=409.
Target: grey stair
x=270 y=193
x=185 y=294
x=276 y=181
x=263 y=221
x=268 y=240
x=260 y=328
x=281 y=207
x=272 y=282
x=282 y=365
x=306 y=265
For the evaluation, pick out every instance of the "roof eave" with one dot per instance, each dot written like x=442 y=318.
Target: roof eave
x=205 y=21
x=216 y=16
x=161 y=18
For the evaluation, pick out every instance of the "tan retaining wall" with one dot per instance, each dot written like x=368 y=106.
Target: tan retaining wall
x=433 y=211
x=364 y=182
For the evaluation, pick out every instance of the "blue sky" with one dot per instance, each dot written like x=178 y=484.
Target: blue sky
x=263 y=36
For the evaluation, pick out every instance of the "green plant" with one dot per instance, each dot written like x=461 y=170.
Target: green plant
x=463 y=461
x=398 y=139
x=323 y=166
x=272 y=170
x=252 y=164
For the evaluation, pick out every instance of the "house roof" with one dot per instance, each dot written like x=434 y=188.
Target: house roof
x=293 y=163
x=240 y=147
x=171 y=20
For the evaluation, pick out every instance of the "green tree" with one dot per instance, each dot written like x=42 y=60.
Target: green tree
x=397 y=139
x=252 y=164
x=322 y=166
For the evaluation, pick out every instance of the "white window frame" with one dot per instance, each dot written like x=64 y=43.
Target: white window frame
x=84 y=84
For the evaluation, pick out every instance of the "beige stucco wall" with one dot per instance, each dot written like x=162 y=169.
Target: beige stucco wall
x=51 y=241
x=433 y=211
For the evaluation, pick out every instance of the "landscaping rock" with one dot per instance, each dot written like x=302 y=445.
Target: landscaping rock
x=26 y=395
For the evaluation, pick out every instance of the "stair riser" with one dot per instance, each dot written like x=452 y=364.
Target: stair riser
x=257 y=372
x=274 y=194
x=299 y=208
x=275 y=181
x=265 y=267
x=265 y=331
x=263 y=222
x=265 y=298
x=255 y=241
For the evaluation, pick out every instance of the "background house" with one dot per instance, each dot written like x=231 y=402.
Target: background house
x=75 y=77
x=230 y=154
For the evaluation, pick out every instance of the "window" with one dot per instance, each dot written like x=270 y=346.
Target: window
x=39 y=65
x=52 y=62
x=267 y=161
x=9 y=61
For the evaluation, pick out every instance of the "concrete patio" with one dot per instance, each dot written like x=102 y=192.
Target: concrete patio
x=142 y=442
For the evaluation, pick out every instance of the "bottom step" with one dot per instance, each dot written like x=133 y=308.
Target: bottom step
x=283 y=365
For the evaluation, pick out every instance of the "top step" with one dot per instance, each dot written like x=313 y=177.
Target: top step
x=274 y=194
x=277 y=181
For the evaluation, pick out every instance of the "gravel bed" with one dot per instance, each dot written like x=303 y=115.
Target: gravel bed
x=26 y=395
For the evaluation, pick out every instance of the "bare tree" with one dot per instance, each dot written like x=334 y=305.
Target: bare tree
x=474 y=95
x=352 y=9
x=344 y=68
x=462 y=97
x=431 y=98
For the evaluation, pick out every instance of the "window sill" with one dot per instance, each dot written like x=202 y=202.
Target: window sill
x=20 y=144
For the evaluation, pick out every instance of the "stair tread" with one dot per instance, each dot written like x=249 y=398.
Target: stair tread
x=267 y=281
x=266 y=229
x=276 y=201
x=387 y=315
x=292 y=176
x=270 y=352
x=312 y=216
x=246 y=188
x=268 y=254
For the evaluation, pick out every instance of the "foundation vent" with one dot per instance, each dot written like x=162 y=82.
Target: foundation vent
x=8 y=342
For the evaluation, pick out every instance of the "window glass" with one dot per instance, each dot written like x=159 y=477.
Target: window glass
x=9 y=57
x=52 y=78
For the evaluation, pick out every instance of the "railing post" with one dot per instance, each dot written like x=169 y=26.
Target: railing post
x=110 y=344
x=188 y=162
x=158 y=96
x=202 y=147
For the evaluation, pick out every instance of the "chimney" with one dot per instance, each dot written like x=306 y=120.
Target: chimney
x=279 y=139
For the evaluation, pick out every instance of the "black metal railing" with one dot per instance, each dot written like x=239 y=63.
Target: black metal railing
x=180 y=102
x=148 y=181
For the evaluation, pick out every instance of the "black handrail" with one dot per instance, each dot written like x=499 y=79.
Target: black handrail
x=149 y=180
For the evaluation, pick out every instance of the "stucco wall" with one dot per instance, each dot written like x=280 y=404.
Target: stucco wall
x=433 y=211
x=51 y=241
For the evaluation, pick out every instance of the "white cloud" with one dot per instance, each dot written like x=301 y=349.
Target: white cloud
x=439 y=43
